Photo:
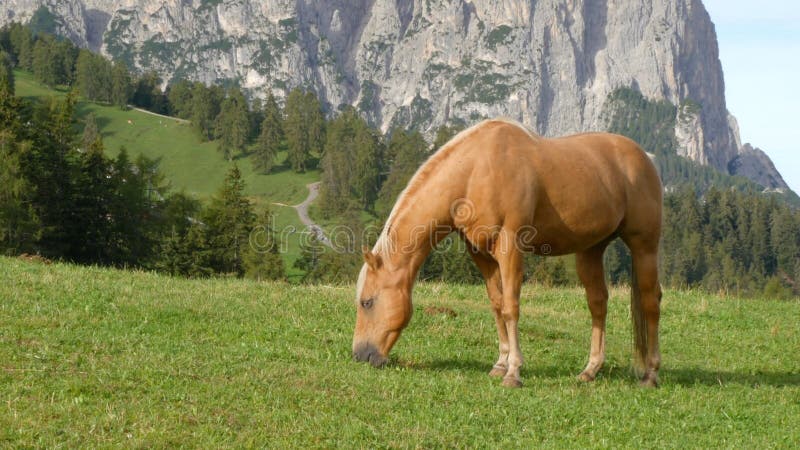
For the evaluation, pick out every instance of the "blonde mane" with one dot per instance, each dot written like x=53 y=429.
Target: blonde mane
x=427 y=168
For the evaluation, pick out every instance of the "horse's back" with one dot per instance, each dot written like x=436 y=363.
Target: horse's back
x=576 y=190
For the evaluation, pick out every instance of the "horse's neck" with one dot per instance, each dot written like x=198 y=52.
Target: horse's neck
x=415 y=231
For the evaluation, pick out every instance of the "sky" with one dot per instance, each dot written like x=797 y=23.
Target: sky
x=759 y=46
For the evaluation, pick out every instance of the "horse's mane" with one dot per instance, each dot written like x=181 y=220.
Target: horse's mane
x=429 y=167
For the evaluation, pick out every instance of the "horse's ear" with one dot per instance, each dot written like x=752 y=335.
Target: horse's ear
x=373 y=260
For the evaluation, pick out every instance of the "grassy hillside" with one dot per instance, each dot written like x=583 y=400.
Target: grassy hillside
x=102 y=358
x=189 y=164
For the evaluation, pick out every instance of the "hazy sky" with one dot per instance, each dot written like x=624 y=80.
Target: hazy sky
x=759 y=45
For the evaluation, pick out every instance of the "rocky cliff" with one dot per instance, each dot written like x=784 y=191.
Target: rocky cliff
x=422 y=63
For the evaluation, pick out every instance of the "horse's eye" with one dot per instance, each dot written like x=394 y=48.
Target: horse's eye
x=367 y=304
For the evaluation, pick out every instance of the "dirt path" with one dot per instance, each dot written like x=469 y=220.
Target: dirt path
x=158 y=115
x=302 y=212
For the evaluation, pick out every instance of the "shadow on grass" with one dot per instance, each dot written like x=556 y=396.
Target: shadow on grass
x=672 y=376
x=702 y=376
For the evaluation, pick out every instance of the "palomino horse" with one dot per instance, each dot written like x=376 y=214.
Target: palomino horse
x=506 y=191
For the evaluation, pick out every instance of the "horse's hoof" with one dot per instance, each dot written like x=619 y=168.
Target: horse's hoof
x=649 y=382
x=498 y=371
x=586 y=377
x=512 y=382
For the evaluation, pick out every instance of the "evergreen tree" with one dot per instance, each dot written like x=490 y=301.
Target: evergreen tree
x=121 y=87
x=406 y=151
x=6 y=74
x=271 y=137
x=179 y=98
x=18 y=221
x=22 y=42
x=89 y=226
x=308 y=262
x=229 y=219
x=297 y=138
x=205 y=108
x=93 y=76
x=49 y=166
x=45 y=64
x=785 y=239
x=304 y=127
x=338 y=168
x=617 y=263
x=147 y=94
x=186 y=254
x=368 y=149
x=444 y=134
x=256 y=119
x=232 y=124
x=262 y=261
x=90 y=132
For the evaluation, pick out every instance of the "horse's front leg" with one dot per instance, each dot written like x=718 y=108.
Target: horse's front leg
x=509 y=259
x=491 y=273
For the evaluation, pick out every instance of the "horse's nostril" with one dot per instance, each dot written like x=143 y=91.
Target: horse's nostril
x=366 y=353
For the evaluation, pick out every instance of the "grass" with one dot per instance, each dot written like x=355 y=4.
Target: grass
x=190 y=165
x=95 y=357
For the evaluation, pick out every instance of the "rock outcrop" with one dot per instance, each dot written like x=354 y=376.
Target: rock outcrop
x=423 y=63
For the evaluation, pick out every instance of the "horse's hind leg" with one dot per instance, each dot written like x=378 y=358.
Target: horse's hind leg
x=589 y=266
x=491 y=273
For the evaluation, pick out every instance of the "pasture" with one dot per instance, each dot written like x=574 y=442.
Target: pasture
x=94 y=357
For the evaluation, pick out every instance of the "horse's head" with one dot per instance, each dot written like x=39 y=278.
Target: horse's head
x=383 y=303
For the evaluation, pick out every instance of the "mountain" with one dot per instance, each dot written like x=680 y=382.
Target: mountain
x=421 y=63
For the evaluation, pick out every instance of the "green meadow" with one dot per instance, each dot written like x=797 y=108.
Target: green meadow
x=93 y=357
x=189 y=164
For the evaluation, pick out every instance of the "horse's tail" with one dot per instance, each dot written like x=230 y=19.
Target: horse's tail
x=639 y=324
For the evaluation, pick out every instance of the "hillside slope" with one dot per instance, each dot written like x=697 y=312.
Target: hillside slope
x=421 y=64
x=188 y=164
x=104 y=358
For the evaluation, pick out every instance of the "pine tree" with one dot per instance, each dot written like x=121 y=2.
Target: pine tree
x=232 y=124
x=22 y=44
x=296 y=129
x=368 y=150
x=89 y=227
x=147 y=94
x=179 y=96
x=444 y=134
x=18 y=221
x=93 y=76
x=205 y=108
x=229 y=219
x=304 y=127
x=45 y=67
x=271 y=137
x=90 y=132
x=406 y=152
x=338 y=168
x=316 y=124
x=262 y=260
x=121 y=87
x=6 y=74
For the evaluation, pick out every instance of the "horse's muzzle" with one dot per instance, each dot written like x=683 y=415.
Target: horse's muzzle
x=366 y=352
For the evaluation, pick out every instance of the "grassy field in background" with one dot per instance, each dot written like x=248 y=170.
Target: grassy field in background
x=190 y=165
x=95 y=357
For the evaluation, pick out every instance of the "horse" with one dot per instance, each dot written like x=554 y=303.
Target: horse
x=507 y=191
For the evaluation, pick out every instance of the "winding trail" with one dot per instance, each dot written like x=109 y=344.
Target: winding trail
x=302 y=212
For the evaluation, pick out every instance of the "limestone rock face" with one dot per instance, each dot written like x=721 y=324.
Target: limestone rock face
x=422 y=63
